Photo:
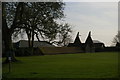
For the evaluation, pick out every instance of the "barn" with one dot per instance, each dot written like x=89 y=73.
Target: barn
x=89 y=45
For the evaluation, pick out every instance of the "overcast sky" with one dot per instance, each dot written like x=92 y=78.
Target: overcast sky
x=101 y=18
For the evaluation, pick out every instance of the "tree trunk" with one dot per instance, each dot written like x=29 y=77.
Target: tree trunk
x=6 y=35
x=32 y=38
x=29 y=37
x=32 y=42
x=9 y=52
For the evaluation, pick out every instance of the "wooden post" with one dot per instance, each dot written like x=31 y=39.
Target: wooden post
x=9 y=58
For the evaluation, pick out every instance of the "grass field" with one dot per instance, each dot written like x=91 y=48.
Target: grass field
x=88 y=65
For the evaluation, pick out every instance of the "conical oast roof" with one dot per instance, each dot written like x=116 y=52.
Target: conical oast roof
x=77 y=39
x=89 y=39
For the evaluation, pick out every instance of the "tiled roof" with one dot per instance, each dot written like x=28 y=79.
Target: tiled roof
x=96 y=41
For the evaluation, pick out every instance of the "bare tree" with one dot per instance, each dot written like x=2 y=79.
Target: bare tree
x=63 y=36
x=117 y=38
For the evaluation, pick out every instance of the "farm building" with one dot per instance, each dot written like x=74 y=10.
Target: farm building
x=89 y=45
x=24 y=43
x=118 y=45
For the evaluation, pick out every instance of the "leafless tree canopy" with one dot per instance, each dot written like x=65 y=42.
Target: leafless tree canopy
x=117 y=38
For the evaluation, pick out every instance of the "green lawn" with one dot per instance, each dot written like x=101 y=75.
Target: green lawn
x=84 y=65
